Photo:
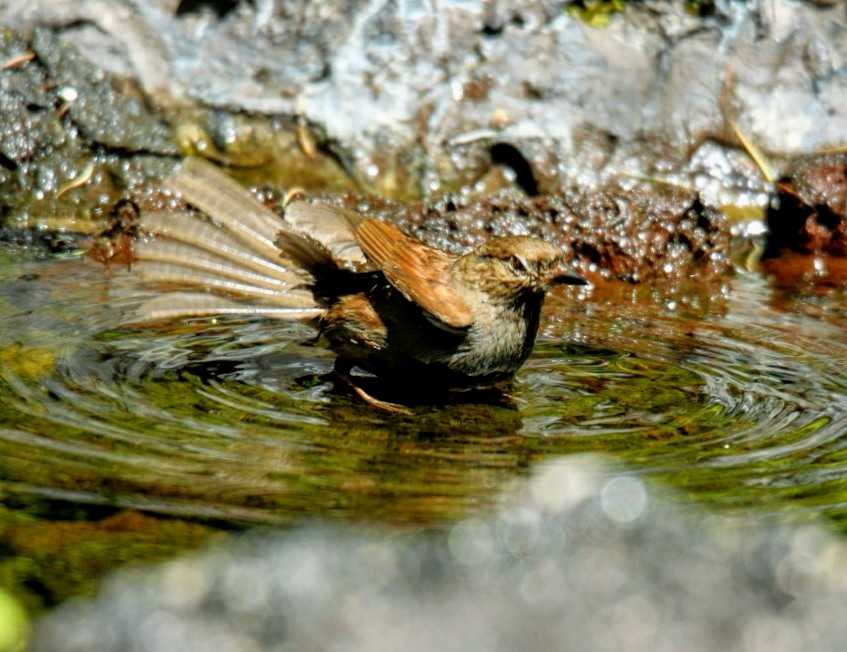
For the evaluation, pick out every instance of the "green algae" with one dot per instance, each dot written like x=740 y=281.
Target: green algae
x=14 y=624
x=45 y=561
x=595 y=13
x=599 y=13
x=29 y=362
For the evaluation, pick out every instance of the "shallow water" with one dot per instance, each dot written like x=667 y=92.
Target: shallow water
x=732 y=393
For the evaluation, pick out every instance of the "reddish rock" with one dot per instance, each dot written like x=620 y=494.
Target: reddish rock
x=808 y=213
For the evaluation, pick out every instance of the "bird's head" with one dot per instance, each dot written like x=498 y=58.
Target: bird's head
x=507 y=267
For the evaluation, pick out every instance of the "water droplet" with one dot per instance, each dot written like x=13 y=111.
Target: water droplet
x=68 y=94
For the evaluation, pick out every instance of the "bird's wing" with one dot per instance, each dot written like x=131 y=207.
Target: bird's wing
x=421 y=273
x=322 y=235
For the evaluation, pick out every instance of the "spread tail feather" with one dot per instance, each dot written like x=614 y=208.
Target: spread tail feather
x=312 y=236
x=191 y=229
x=198 y=304
x=184 y=275
x=229 y=204
x=179 y=254
x=226 y=263
x=320 y=235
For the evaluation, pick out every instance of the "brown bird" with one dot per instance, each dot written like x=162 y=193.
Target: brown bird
x=385 y=302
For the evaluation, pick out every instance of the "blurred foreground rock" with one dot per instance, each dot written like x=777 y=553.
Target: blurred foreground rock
x=581 y=559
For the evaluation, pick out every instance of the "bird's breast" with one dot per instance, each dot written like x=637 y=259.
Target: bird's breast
x=499 y=342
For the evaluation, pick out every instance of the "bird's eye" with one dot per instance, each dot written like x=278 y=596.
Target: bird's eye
x=518 y=264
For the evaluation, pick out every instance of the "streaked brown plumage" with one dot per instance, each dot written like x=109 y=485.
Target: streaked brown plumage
x=385 y=302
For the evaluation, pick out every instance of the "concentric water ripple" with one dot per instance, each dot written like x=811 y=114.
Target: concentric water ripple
x=734 y=393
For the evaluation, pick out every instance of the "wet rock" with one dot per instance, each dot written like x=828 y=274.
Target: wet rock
x=580 y=559
x=809 y=213
x=26 y=125
x=104 y=115
x=413 y=100
x=806 y=240
x=405 y=102
x=71 y=141
x=631 y=234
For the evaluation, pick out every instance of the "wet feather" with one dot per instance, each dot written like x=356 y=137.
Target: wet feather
x=197 y=304
x=158 y=272
x=194 y=230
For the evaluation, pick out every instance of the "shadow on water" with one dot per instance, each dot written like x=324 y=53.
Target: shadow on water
x=121 y=444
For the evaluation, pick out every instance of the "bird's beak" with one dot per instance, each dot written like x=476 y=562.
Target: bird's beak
x=566 y=277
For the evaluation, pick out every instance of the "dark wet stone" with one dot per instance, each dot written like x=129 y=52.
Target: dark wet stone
x=103 y=115
x=72 y=141
x=582 y=559
x=27 y=125
x=809 y=212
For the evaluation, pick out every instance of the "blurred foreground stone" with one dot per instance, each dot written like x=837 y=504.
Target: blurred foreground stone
x=580 y=559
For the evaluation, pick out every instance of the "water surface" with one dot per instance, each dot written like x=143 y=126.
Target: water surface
x=143 y=442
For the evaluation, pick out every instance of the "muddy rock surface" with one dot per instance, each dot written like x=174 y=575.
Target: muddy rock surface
x=415 y=101
x=397 y=101
x=631 y=235
x=71 y=140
